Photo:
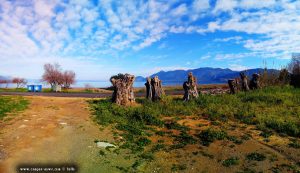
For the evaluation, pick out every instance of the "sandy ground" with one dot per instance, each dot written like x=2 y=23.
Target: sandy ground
x=56 y=130
x=51 y=131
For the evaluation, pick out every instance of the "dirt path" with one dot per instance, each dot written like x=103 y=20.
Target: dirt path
x=52 y=130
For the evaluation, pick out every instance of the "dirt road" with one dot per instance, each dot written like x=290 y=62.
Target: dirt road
x=52 y=130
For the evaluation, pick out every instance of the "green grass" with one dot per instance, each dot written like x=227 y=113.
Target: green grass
x=273 y=110
x=256 y=156
x=231 y=161
x=13 y=89
x=11 y=104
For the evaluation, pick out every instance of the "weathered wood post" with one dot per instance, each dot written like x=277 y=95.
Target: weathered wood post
x=190 y=88
x=244 y=82
x=254 y=82
x=148 y=88
x=123 y=89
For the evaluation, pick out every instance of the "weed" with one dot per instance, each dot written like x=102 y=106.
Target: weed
x=209 y=135
x=205 y=154
x=231 y=161
x=178 y=167
x=256 y=156
x=235 y=140
x=294 y=144
x=158 y=147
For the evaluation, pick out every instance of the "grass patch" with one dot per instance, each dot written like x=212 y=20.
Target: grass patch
x=210 y=135
x=11 y=104
x=178 y=167
x=231 y=161
x=294 y=144
x=256 y=156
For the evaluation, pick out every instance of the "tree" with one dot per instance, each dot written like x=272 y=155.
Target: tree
x=5 y=81
x=20 y=82
x=68 y=79
x=54 y=76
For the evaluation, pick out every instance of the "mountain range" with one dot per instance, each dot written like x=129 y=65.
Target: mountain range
x=206 y=75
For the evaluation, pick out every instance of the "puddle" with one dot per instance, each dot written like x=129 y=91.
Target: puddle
x=104 y=144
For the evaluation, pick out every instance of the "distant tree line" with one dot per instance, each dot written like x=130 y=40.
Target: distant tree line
x=19 y=82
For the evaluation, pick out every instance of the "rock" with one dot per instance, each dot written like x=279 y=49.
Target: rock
x=123 y=89
x=22 y=126
x=104 y=144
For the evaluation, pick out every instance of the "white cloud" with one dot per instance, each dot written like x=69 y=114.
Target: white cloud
x=180 y=10
x=237 y=67
x=81 y=28
x=225 y=5
x=200 y=5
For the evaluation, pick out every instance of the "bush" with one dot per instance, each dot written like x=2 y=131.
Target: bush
x=210 y=135
x=256 y=156
x=231 y=161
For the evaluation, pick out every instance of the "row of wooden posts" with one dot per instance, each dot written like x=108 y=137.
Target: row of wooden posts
x=123 y=87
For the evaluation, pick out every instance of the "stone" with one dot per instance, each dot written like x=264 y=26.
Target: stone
x=104 y=144
x=190 y=88
x=123 y=89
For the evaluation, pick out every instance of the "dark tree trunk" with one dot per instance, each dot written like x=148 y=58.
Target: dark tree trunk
x=148 y=89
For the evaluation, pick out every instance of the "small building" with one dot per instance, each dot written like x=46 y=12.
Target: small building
x=34 y=88
x=56 y=88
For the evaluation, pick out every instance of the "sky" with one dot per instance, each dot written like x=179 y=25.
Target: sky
x=100 y=38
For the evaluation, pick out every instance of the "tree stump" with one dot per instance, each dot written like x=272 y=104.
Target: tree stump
x=148 y=89
x=233 y=85
x=254 y=82
x=154 y=89
x=123 y=89
x=190 y=88
x=244 y=82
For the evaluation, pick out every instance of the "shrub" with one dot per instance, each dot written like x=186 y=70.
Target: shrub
x=230 y=161
x=256 y=156
x=209 y=135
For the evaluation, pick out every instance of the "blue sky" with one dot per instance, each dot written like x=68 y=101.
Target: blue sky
x=99 y=38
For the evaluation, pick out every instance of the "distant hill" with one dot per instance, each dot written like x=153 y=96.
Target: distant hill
x=204 y=75
x=3 y=78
